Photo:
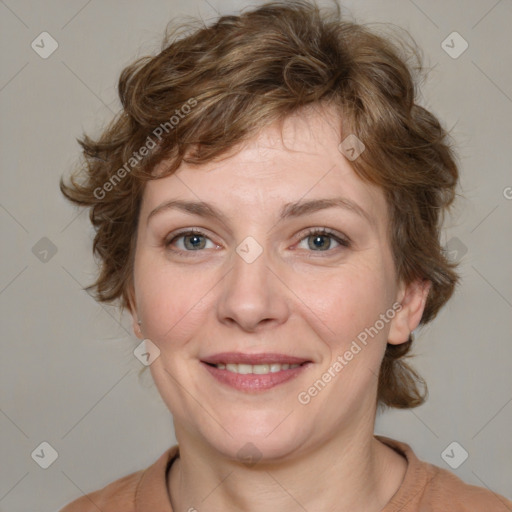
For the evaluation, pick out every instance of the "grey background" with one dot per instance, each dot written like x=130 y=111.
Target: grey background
x=68 y=374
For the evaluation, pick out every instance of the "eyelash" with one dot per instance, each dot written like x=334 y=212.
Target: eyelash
x=342 y=241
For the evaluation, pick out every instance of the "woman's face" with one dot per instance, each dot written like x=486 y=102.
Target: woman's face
x=254 y=287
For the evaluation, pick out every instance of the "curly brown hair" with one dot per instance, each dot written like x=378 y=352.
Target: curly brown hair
x=218 y=85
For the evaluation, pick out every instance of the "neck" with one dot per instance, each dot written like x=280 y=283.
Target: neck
x=350 y=472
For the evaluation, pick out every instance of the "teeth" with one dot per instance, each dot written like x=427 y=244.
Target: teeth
x=244 y=369
x=258 y=369
x=261 y=369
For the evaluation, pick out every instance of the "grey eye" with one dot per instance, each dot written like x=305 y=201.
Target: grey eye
x=319 y=242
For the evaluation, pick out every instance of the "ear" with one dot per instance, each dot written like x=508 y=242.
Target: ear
x=412 y=298
x=132 y=308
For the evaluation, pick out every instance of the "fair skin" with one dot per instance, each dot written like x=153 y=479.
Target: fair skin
x=306 y=296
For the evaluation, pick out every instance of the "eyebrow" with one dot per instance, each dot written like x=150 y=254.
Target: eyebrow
x=289 y=210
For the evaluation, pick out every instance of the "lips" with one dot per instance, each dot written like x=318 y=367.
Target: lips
x=254 y=372
x=253 y=359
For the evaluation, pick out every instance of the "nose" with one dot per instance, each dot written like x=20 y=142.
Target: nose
x=253 y=296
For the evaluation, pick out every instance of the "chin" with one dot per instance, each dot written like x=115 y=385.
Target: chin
x=256 y=439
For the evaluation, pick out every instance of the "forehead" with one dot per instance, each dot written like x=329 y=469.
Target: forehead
x=297 y=160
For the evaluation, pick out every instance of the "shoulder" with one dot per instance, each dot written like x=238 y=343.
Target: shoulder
x=446 y=488
x=427 y=487
x=115 y=497
x=147 y=488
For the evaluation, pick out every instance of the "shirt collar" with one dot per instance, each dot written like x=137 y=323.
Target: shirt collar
x=151 y=494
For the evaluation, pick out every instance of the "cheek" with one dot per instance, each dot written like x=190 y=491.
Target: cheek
x=350 y=300
x=169 y=300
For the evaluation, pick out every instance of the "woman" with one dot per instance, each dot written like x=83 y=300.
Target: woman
x=267 y=207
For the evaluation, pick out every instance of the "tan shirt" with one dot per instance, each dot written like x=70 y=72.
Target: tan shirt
x=425 y=488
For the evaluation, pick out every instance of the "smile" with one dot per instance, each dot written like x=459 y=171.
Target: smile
x=257 y=369
x=254 y=372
